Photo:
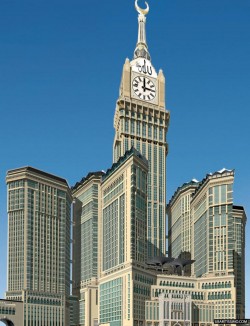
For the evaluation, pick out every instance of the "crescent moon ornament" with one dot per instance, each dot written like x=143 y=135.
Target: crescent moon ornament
x=140 y=10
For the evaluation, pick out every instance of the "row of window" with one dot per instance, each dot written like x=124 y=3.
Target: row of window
x=216 y=285
x=141 y=115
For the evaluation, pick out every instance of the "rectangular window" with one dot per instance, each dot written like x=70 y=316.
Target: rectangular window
x=149 y=131
x=155 y=133
x=138 y=128
x=143 y=129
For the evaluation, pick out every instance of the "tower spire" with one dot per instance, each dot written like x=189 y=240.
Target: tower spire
x=141 y=50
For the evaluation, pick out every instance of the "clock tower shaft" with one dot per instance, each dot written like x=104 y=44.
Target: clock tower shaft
x=141 y=121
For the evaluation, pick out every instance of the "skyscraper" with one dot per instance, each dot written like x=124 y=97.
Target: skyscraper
x=39 y=245
x=179 y=221
x=124 y=281
x=86 y=210
x=204 y=223
x=141 y=121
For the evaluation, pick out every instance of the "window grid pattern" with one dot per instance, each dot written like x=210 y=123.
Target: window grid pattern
x=150 y=127
x=111 y=301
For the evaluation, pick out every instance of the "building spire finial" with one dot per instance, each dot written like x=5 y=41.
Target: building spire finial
x=141 y=50
x=140 y=10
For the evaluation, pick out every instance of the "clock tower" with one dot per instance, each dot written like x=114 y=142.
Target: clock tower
x=141 y=121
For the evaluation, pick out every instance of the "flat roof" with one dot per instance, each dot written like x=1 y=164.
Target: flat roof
x=31 y=169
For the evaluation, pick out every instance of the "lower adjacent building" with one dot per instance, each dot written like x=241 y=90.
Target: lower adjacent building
x=39 y=207
x=11 y=312
x=124 y=281
x=205 y=224
x=210 y=298
x=86 y=209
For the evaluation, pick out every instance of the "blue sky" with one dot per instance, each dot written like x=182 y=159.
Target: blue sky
x=60 y=70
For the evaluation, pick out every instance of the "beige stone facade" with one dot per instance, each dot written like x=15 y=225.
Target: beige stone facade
x=39 y=206
x=11 y=312
x=124 y=281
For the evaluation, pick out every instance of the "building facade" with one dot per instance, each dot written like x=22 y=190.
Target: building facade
x=212 y=297
x=179 y=221
x=217 y=239
x=141 y=121
x=86 y=210
x=39 y=245
x=124 y=281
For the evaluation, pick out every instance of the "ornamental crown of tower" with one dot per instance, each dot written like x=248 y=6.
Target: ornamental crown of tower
x=140 y=81
x=141 y=50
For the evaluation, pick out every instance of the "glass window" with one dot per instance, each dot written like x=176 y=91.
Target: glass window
x=216 y=195
x=223 y=193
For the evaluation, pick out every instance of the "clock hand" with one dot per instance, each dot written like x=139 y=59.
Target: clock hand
x=144 y=84
x=148 y=89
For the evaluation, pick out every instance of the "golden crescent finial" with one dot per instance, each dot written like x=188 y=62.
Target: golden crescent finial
x=140 y=10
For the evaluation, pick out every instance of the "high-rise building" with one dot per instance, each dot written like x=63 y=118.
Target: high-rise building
x=86 y=209
x=39 y=245
x=205 y=224
x=141 y=121
x=179 y=221
x=124 y=281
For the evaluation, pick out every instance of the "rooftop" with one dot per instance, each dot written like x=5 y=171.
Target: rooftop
x=198 y=184
x=84 y=179
x=122 y=160
x=37 y=171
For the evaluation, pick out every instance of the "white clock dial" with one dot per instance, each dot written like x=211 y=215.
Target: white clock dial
x=144 y=88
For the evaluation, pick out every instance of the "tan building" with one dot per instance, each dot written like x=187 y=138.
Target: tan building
x=39 y=246
x=205 y=210
x=86 y=209
x=212 y=297
x=124 y=281
x=11 y=312
x=141 y=121
x=179 y=221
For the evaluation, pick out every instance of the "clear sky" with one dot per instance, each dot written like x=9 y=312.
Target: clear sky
x=60 y=70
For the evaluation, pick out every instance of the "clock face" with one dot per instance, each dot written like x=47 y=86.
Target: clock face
x=144 y=88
